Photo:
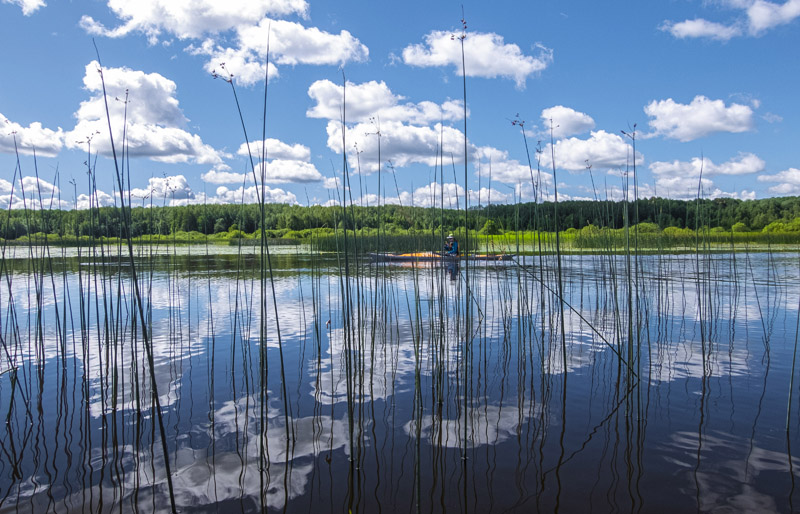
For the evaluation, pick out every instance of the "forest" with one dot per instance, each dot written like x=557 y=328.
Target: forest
x=780 y=214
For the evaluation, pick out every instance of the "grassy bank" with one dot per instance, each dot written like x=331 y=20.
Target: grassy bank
x=322 y=240
x=588 y=240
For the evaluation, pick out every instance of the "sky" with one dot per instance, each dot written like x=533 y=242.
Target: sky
x=705 y=90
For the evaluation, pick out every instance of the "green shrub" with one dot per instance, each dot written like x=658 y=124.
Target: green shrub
x=590 y=230
x=775 y=226
x=235 y=234
x=676 y=232
x=647 y=228
x=794 y=225
x=490 y=228
x=297 y=234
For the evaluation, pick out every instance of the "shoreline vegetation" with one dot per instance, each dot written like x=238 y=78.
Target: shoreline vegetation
x=608 y=241
x=769 y=224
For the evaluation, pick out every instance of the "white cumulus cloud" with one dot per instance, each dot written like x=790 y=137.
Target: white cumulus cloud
x=755 y=18
x=602 y=150
x=221 y=176
x=285 y=171
x=699 y=28
x=332 y=183
x=701 y=117
x=30 y=193
x=154 y=118
x=28 y=6
x=681 y=179
x=249 y=24
x=172 y=187
x=35 y=187
x=788 y=182
x=244 y=67
x=375 y=99
x=46 y=142
x=285 y=163
x=613 y=192
x=247 y=195
x=567 y=121
x=290 y=43
x=276 y=149
x=743 y=164
x=400 y=143
x=433 y=194
x=485 y=54
x=172 y=190
x=686 y=188
x=404 y=145
x=762 y=15
x=430 y=195
x=497 y=165
x=98 y=199
x=8 y=201
x=189 y=19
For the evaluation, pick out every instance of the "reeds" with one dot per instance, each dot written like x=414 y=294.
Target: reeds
x=387 y=377
x=139 y=376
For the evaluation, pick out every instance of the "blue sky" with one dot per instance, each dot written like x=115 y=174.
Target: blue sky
x=708 y=85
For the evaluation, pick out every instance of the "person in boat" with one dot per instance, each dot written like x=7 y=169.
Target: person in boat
x=451 y=249
x=451 y=246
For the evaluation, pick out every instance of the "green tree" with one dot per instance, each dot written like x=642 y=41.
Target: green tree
x=189 y=221
x=220 y=226
x=490 y=228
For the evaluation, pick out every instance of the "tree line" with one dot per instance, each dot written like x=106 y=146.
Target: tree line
x=725 y=213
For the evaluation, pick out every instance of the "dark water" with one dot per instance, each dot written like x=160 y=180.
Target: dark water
x=400 y=389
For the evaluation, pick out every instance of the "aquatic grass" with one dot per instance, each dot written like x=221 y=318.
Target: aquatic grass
x=155 y=401
x=434 y=395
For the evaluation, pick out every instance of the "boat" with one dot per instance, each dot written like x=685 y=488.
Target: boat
x=434 y=257
x=491 y=257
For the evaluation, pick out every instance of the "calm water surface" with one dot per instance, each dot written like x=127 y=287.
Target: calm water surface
x=386 y=388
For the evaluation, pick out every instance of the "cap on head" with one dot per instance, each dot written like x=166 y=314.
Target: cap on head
x=450 y=236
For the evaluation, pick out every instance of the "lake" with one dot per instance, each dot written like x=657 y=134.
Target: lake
x=659 y=383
